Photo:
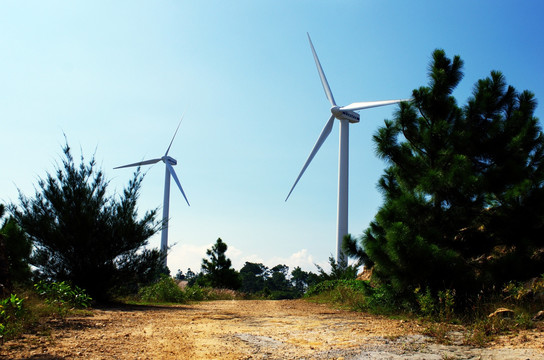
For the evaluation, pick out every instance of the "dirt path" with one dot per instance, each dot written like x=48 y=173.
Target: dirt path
x=250 y=330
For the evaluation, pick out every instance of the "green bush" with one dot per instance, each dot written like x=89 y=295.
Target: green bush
x=195 y=293
x=319 y=288
x=350 y=293
x=198 y=293
x=440 y=307
x=11 y=310
x=525 y=293
x=483 y=330
x=446 y=304
x=359 y=295
x=63 y=296
x=165 y=290
x=426 y=302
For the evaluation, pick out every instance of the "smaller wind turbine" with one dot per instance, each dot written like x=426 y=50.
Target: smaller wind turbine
x=346 y=115
x=169 y=162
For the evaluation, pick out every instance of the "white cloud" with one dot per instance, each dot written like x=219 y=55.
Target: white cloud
x=301 y=258
x=186 y=256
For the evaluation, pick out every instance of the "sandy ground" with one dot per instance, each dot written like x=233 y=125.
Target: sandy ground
x=292 y=329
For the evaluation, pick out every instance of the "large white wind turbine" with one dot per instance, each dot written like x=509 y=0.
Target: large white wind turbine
x=169 y=162
x=346 y=115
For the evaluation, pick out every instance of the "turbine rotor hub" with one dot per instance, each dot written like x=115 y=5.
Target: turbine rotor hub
x=335 y=110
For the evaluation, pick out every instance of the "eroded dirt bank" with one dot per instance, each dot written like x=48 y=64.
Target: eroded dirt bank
x=251 y=330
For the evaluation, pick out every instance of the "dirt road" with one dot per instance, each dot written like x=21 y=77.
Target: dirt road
x=251 y=330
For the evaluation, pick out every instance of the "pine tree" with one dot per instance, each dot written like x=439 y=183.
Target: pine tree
x=253 y=277
x=463 y=191
x=218 y=271
x=15 y=249
x=82 y=235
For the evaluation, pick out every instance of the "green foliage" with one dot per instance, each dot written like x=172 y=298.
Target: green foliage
x=483 y=330
x=275 y=283
x=446 y=304
x=11 y=310
x=463 y=191
x=426 y=302
x=63 y=296
x=440 y=307
x=278 y=286
x=439 y=331
x=339 y=286
x=165 y=290
x=196 y=293
x=351 y=293
x=321 y=287
x=525 y=292
x=179 y=275
x=85 y=237
x=15 y=249
x=339 y=271
x=359 y=295
x=383 y=299
x=190 y=276
x=218 y=271
x=253 y=277
x=301 y=279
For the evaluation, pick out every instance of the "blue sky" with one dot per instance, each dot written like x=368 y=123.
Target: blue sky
x=115 y=77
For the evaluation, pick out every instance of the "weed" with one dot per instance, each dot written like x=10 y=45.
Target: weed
x=524 y=321
x=11 y=311
x=438 y=331
x=63 y=296
x=426 y=302
x=446 y=300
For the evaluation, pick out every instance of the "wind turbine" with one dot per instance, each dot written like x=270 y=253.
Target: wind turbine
x=346 y=115
x=169 y=162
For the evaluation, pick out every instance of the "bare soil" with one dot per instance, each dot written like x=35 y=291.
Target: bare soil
x=291 y=329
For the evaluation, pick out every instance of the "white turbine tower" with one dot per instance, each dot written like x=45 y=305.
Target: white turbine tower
x=169 y=162
x=346 y=115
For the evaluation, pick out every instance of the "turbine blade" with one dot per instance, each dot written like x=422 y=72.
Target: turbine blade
x=370 y=104
x=322 y=137
x=171 y=169
x=147 y=162
x=324 y=81
x=167 y=150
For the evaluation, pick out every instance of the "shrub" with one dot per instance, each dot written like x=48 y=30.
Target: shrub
x=63 y=296
x=165 y=290
x=321 y=287
x=198 y=293
x=351 y=293
x=11 y=310
x=425 y=301
x=439 y=307
x=195 y=293
x=527 y=292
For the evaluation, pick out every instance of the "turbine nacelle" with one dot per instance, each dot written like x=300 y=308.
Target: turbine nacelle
x=340 y=114
x=170 y=160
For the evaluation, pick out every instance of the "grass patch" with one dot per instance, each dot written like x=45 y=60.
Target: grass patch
x=29 y=309
x=167 y=290
x=439 y=312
